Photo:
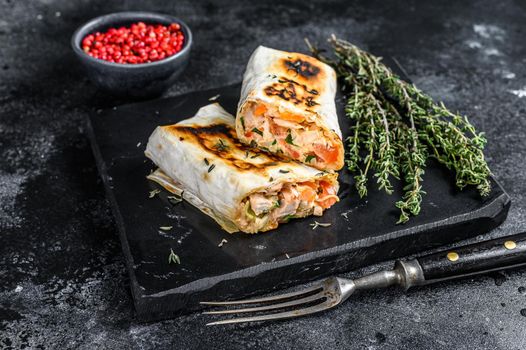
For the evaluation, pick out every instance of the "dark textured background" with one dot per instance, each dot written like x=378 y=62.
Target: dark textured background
x=63 y=283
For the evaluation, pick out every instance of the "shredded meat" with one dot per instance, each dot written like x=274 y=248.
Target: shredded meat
x=260 y=203
x=280 y=202
x=280 y=131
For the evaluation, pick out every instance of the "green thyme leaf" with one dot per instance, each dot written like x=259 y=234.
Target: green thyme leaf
x=214 y=98
x=173 y=258
x=153 y=193
x=317 y=224
x=221 y=145
x=257 y=131
x=174 y=199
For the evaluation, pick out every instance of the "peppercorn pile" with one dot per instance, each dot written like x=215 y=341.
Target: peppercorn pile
x=138 y=43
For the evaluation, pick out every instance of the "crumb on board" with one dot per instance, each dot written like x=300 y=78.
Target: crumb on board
x=317 y=224
x=153 y=193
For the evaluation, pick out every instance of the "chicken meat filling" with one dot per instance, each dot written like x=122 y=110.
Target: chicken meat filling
x=281 y=202
x=291 y=134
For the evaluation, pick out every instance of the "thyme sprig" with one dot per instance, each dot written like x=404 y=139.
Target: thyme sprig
x=396 y=128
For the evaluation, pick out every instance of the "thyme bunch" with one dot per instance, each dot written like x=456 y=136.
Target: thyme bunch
x=372 y=133
x=397 y=127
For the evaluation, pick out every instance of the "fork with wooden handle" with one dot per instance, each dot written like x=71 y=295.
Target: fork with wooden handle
x=497 y=254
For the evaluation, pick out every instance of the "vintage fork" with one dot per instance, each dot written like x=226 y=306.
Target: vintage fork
x=497 y=254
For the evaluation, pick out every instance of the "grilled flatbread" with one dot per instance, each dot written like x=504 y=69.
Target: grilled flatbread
x=287 y=108
x=242 y=188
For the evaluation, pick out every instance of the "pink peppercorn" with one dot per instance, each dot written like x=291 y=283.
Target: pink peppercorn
x=138 y=43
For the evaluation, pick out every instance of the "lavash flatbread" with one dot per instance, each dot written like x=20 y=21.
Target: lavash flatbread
x=202 y=159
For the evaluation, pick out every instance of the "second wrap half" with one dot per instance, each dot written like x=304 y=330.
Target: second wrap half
x=287 y=108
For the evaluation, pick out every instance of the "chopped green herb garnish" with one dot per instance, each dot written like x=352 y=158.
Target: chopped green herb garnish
x=288 y=217
x=289 y=139
x=221 y=145
x=206 y=162
x=271 y=179
x=242 y=120
x=309 y=158
x=173 y=258
x=274 y=142
x=211 y=167
x=153 y=193
x=257 y=131
x=253 y=144
x=255 y=155
x=284 y=171
x=277 y=204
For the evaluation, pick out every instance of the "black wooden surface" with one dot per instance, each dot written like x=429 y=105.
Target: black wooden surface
x=362 y=232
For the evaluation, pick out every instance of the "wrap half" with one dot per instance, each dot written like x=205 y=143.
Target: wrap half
x=287 y=107
x=242 y=188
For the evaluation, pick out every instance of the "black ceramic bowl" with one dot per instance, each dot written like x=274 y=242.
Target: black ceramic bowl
x=132 y=80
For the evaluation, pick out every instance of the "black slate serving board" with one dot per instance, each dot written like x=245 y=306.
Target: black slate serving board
x=362 y=231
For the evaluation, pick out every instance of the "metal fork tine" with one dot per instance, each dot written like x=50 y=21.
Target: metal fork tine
x=295 y=302
x=265 y=299
x=280 y=315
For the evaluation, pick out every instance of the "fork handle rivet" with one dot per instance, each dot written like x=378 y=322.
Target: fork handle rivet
x=452 y=256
